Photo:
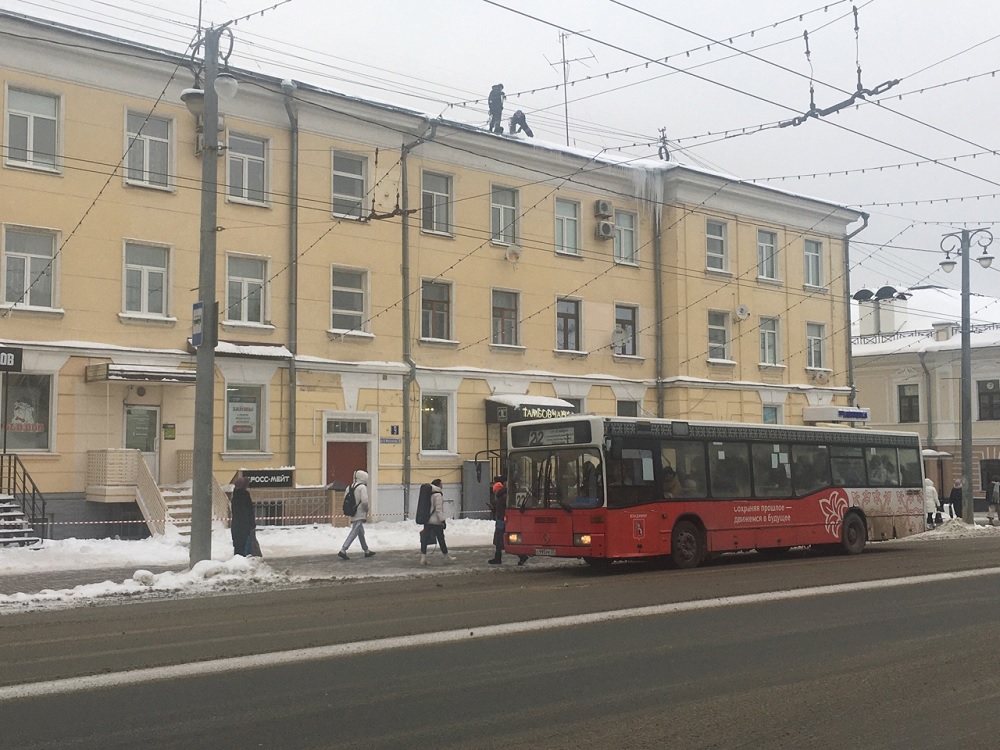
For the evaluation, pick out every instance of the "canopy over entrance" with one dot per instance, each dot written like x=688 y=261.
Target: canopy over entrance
x=509 y=408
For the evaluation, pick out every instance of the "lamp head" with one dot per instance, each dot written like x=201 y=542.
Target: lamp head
x=985 y=260
x=948 y=264
x=194 y=100
x=226 y=86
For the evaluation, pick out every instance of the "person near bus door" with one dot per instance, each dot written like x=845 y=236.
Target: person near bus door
x=498 y=510
x=932 y=505
x=436 y=524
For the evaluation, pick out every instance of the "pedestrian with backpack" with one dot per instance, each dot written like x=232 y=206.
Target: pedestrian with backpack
x=436 y=524
x=356 y=508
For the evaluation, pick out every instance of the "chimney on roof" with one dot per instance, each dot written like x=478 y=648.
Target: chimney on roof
x=942 y=330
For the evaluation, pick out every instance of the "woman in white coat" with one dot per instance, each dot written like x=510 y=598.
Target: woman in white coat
x=932 y=505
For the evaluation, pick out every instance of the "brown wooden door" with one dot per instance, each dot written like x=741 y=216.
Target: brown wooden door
x=342 y=460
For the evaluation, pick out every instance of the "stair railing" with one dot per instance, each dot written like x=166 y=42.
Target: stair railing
x=17 y=482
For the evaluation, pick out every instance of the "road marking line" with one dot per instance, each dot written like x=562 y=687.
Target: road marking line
x=316 y=653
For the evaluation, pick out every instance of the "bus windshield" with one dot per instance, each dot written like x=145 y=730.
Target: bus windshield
x=557 y=477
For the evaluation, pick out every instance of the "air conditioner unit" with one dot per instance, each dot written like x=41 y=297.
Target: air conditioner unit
x=603 y=209
x=605 y=230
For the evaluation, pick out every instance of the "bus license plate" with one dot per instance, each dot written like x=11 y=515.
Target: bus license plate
x=545 y=551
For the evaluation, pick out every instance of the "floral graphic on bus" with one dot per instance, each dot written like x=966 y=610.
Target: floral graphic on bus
x=833 y=508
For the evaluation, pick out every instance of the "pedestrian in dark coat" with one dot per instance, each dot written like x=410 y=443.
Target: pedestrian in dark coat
x=499 y=513
x=955 y=499
x=244 y=522
x=496 y=100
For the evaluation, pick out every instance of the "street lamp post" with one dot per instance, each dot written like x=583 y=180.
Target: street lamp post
x=204 y=104
x=960 y=243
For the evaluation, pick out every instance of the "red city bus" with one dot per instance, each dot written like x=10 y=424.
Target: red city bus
x=605 y=488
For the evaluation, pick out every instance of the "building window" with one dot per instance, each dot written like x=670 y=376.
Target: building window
x=347 y=301
x=568 y=325
x=814 y=345
x=567 y=227
x=813 y=263
x=436 y=203
x=247 y=169
x=625 y=249
x=628 y=409
x=718 y=335
x=349 y=185
x=435 y=309
x=716 y=245
x=148 y=160
x=771 y=415
x=145 y=279
x=434 y=418
x=503 y=215
x=989 y=399
x=626 y=323
x=245 y=418
x=29 y=258
x=32 y=129
x=245 y=290
x=575 y=403
x=909 y=403
x=767 y=251
x=769 y=354
x=505 y=317
x=27 y=417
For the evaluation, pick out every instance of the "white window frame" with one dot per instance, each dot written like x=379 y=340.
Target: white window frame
x=812 y=263
x=450 y=424
x=770 y=341
x=767 y=255
x=720 y=320
x=497 y=336
x=626 y=236
x=242 y=162
x=449 y=323
x=815 y=346
x=503 y=215
x=246 y=283
x=29 y=146
x=349 y=291
x=577 y=317
x=717 y=246
x=261 y=425
x=630 y=346
x=567 y=214
x=438 y=209
x=50 y=268
x=11 y=393
x=142 y=142
x=147 y=273
x=354 y=178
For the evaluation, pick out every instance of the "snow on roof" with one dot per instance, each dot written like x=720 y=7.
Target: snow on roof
x=516 y=401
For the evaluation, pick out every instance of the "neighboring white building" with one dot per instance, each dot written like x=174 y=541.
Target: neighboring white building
x=907 y=369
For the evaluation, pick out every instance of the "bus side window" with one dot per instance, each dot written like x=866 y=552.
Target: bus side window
x=729 y=469
x=909 y=466
x=810 y=469
x=848 y=466
x=771 y=475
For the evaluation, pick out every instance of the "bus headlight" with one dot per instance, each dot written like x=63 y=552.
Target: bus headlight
x=581 y=540
x=514 y=537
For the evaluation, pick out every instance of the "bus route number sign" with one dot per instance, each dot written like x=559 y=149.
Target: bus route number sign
x=552 y=436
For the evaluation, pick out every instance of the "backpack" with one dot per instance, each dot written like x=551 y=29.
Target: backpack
x=424 y=504
x=350 y=502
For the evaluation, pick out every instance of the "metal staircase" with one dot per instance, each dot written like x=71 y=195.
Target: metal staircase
x=22 y=506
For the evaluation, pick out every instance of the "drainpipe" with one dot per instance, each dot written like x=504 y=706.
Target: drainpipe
x=288 y=88
x=411 y=373
x=657 y=274
x=847 y=305
x=930 y=400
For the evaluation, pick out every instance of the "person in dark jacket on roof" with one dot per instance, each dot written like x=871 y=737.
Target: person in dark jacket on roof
x=495 y=101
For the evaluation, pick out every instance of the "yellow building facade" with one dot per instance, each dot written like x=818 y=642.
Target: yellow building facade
x=392 y=289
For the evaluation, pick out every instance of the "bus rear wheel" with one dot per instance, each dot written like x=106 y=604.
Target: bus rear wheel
x=687 y=545
x=854 y=534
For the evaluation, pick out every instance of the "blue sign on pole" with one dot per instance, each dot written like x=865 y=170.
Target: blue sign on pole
x=197 y=322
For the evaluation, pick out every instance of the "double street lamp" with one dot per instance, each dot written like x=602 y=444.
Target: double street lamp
x=960 y=243
x=204 y=104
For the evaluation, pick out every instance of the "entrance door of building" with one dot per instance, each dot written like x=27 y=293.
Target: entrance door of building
x=142 y=433
x=342 y=460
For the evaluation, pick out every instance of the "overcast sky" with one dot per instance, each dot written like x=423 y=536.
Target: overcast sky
x=439 y=56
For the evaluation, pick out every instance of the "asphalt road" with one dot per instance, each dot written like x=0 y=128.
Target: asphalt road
x=447 y=661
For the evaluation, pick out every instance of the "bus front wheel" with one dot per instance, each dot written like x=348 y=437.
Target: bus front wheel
x=687 y=545
x=854 y=534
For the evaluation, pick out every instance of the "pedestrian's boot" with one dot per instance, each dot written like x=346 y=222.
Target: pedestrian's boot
x=423 y=559
x=495 y=561
x=522 y=559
